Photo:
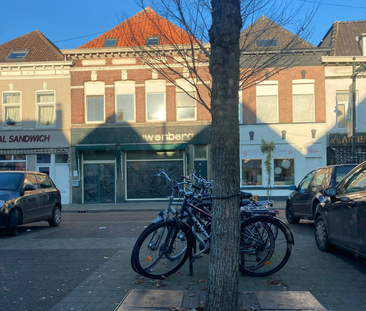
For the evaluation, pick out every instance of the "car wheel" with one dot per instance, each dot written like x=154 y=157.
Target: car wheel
x=321 y=236
x=290 y=215
x=13 y=222
x=56 y=217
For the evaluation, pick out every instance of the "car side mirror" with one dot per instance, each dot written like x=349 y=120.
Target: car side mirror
x=330 y=192
x=29 y=187
x=292 y=188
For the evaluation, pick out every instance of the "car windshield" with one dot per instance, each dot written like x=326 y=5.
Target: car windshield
x=342 y=171
x=10 y=181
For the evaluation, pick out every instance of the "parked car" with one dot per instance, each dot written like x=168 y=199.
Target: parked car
x=306 y=196
x=340 y=219
x=27 y=197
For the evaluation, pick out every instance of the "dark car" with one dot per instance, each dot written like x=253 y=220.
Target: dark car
x=306 y=196
x=340 y=219
x=28 y=197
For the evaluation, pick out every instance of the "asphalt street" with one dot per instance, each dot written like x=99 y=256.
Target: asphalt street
x=84 y=264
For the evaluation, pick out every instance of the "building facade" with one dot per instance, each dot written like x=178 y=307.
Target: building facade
x=128 y=120
x=35 y=114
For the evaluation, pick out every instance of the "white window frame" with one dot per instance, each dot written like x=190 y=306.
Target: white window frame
x=240 y=107
x=267 y=88
x=185 y=86
x=4 y=124
x=38 y=105
x=303 y=87
x=155 y=87
x=125 y=88
x=94 y=88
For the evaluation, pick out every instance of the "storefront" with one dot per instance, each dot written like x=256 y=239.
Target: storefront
x=340 y=148
x=119 y=164
x=41 y=151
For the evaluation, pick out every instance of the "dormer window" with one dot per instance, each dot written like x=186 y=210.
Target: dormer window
x=266 y=43
x=110 y=42
x=17 y=55
x=152 y=40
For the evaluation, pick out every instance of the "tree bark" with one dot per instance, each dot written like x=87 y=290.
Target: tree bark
x=223 y=285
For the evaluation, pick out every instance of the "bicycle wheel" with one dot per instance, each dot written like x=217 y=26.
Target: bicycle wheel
x=261 y=252
x=161 y=250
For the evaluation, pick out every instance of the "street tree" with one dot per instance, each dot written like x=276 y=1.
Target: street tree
x=211 y=68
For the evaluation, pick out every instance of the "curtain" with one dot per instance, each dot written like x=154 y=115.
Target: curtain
x=46 y=115
x=12 y=113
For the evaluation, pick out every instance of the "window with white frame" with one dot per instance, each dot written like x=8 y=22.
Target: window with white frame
x=45 y=108
x=125 y=101
x=94 y=102
x=303 y=101
x=155 y=100
x=342 y=105
x=11 y=109
x=240 y=107
x=185 y=100
x=267 y=102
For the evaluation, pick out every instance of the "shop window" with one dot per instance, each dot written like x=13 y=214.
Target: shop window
x=11 y=109
x=251 y=172
x=303 y=102
x=155 y=100
x=125 y=101
x=283 y=172
x=46 y=108
x=267 y=102
x=10 y=162
x=94 y=102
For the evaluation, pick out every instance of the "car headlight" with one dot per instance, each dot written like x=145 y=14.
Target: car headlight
x=2 y=202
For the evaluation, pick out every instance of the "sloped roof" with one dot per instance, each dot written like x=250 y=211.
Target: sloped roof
x=135 y=30
x=265 y=29
x=40 y=48
x=341 y=38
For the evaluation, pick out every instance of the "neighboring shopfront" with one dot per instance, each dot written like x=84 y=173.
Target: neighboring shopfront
x=41 y=151
x=340 y=148
x=118 y=164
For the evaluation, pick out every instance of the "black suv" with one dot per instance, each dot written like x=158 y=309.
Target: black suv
x=306 y=196
x=28 y=197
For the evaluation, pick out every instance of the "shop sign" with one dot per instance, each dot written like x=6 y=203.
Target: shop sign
x=314 y=151
x=251 y=152
x=284 y=152
x=24 y=138
x=342 y=140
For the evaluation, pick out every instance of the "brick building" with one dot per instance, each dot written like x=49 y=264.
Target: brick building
x=128 y=120
x=284 y=102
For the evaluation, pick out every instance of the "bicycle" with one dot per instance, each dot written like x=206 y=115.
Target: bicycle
x=163 y=248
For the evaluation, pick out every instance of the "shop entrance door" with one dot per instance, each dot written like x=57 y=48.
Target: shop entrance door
x=99 y=183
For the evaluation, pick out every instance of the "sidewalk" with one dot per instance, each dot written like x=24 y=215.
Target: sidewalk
x=131 y=207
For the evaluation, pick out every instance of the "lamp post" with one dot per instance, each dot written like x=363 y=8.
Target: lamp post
x=353 y=90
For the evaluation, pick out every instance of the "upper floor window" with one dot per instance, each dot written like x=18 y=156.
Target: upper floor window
x=342 y=105
x=17 y=55
x=11 y=109
x=110 y=42
x=303 y=102
x=185 y=101
x=94 y=102
x=46 y=108
x=267 y=102
x=155 y=100
x=152 y=40
x=125 y=101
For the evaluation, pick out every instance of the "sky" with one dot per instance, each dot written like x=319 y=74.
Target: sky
x=69 y=24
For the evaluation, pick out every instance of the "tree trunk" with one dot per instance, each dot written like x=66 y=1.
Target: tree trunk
x=223 y=285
